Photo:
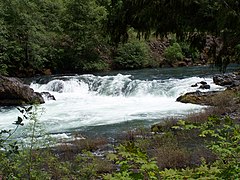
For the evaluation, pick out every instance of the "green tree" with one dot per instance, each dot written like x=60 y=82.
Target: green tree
x=132 y=55
x=83 y=26
x=3 y=44
x=31 y=29
x=186 y=19
x=173 y=53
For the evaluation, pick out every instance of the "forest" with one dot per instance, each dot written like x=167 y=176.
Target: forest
x=76 y=36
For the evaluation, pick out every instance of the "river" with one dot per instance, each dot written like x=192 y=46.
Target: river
x=105 y=104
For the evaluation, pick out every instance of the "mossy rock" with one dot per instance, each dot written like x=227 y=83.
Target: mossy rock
x=201 y=98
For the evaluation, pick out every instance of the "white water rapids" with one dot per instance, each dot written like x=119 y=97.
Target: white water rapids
x=91 y=101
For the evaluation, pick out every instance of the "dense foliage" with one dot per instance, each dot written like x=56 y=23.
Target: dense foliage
x=79 y=36
x=190 y=20
x=174 y=53
x=60 y=35
x=132 y=55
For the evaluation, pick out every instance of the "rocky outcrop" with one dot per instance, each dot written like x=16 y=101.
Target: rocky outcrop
x=157 y=48
x=201 y=98
x=231 y=80
x=13 y=93
x=228 y=80
x=212 y=48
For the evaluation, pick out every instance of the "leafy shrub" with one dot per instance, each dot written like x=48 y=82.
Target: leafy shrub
x=132 y=55
x=202 y=172
x=173 y=53
x=133 y=164
x=98 y=65
x=172 y=38
x=224 y=136
x=188 y=51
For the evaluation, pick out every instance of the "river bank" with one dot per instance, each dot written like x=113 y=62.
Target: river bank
x=173 y=149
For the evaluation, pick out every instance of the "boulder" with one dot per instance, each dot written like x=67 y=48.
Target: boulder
x=194 y=85
x=14 y=93
x=228 y=80
x=203 y=82
x=201 y=98
x=204 y=86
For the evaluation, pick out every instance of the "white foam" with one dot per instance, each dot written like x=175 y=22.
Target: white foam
x=90 y=100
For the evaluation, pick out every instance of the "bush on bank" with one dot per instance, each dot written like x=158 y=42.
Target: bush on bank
x=132 y=55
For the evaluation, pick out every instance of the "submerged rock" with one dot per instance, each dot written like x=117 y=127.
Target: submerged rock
x=14 y=93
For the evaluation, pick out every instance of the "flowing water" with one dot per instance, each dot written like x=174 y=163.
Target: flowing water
x=106 y=104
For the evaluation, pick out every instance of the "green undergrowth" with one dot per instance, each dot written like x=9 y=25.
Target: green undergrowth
x=203 y=146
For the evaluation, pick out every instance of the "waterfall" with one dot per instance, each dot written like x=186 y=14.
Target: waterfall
x=122 y=85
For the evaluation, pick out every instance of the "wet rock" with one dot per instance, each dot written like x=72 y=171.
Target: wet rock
x=194 y=85
x=204 y=86
x=201 y=98
x=203 y=82
x=14 y=93
x=57 y=85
